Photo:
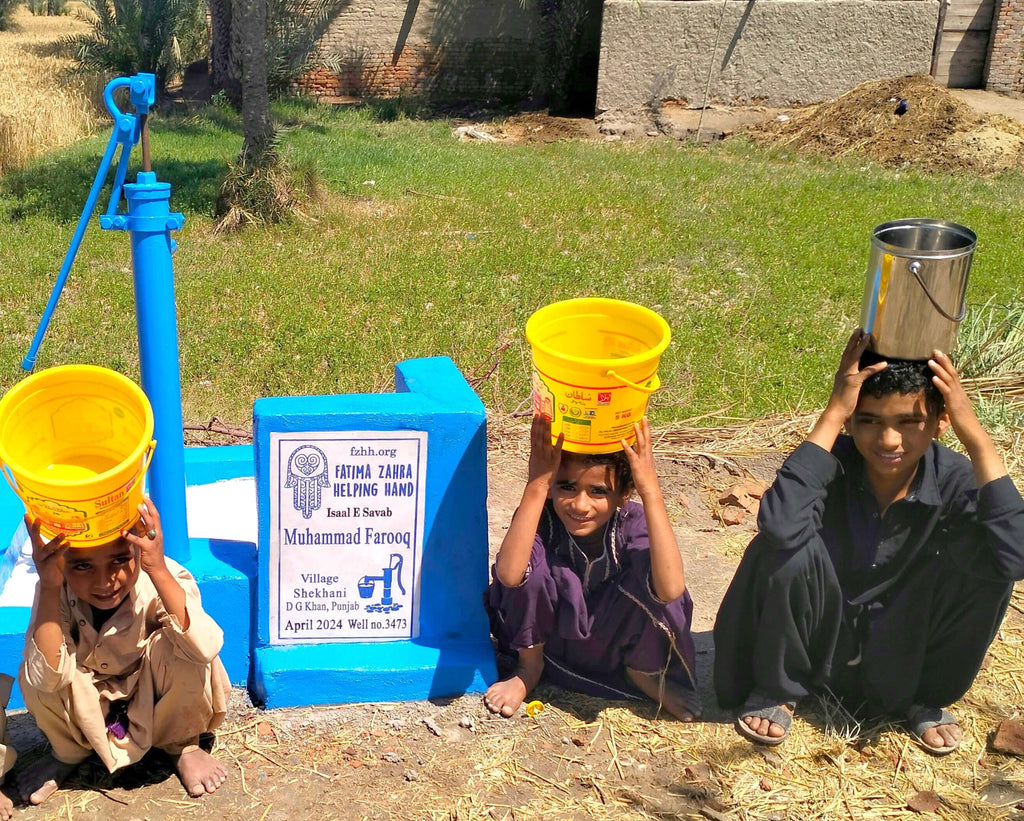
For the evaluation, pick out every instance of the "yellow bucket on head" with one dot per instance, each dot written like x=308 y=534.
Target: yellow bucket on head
x=595 y=366
x=75 y=443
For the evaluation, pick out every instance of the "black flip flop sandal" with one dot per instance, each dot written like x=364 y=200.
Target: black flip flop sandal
x=921 y=718
x=758 y=706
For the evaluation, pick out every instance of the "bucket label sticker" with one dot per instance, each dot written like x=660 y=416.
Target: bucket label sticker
x=543 y=398
x=576 y=430
x=346 y=535
x=57 y=518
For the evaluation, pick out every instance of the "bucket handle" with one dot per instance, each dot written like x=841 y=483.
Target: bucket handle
x=915 y=269
x=148 y=456
x=634 y=385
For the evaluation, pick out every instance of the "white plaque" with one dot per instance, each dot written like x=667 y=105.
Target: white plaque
x=346 y=535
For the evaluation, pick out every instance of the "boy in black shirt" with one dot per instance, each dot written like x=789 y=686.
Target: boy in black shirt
x=884 y=562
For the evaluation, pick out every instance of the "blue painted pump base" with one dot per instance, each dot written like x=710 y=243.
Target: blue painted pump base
x=452 y=653
x=300 y=675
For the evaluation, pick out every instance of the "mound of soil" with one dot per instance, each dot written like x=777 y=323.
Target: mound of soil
x=902 y=122
x=536 y=127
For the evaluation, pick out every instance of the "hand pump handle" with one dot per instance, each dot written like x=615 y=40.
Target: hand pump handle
x=127 y=129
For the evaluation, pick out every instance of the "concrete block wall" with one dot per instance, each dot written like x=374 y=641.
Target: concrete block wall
x=1005 y=71
x=775 y=52
x=449 y=50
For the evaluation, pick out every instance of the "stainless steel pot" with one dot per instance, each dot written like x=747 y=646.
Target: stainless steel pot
x=916 y=285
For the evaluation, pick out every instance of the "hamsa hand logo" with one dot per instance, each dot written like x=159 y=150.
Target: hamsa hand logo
x=307 y=473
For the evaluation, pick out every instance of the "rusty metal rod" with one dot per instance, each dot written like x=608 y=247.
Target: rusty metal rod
x=144 y=140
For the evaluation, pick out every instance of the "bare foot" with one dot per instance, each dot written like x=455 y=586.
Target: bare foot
x=6 y=808
x=504 y=697
x=199 y=771
x=41 y=779
x=764 y=727
x=682 y=703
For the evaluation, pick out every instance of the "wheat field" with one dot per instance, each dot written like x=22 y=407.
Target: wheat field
x=42 y=105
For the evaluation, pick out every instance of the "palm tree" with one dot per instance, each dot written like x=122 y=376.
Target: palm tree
x=130 y=36
x=257 y=187
x=258 y=148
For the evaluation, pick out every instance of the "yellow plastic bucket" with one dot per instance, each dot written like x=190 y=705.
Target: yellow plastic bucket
x=75 y=442
x=595 y=366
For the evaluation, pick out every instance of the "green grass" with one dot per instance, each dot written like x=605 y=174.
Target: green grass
x=756 y=259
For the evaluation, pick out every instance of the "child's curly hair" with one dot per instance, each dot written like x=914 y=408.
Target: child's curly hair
x=902 y=376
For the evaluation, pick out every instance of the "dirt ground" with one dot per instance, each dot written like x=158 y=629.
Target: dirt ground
x=899 y=122
x=582 y=758
x=393 y=760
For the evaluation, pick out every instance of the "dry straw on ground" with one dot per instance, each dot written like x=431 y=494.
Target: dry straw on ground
x=42 y=107
x=589 y=758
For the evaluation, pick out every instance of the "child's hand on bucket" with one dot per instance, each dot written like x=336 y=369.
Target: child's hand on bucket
x=148 y=538
x=641 y=460
x=544 y=457
x=48 y=557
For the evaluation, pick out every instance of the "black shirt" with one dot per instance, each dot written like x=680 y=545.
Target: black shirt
x=824 y=494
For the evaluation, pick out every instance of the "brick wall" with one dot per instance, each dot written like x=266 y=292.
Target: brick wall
x=1005 y=70
x=778 y=52
x=478 y=72
x=466 y=51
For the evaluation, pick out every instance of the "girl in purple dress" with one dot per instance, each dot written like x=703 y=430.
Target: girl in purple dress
x=588 y=587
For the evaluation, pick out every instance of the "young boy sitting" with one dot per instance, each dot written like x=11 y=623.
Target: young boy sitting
x=884 y=562
x=7 y=753
x=120 y=658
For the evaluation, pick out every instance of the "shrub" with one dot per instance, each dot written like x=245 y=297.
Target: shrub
x=293 y=29
x=129 y=36
x=6 y=10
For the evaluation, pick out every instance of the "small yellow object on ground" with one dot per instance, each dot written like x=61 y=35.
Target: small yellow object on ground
x=534 y=708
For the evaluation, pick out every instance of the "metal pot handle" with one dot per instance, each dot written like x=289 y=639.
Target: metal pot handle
x=915 y=269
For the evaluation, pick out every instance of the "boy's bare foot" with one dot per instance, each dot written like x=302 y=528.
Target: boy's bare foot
x=682 y=703
x=42 y=778
x=6 y=808
x=504 y=697
x=200 y=772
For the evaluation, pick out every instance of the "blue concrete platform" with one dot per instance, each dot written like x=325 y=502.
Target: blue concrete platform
x=451 y=653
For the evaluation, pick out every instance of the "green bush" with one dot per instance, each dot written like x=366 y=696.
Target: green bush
x=6 y=10
x=128 y=36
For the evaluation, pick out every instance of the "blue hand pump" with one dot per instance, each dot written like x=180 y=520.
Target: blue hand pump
x=149 y=223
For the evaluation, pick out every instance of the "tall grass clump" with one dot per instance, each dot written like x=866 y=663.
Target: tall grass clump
x=991 y=359
x=41 y=107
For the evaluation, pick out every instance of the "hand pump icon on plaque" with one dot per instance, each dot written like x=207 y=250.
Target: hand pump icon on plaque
x=367 y=584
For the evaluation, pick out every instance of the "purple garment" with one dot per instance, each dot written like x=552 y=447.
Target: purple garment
x=595 y=617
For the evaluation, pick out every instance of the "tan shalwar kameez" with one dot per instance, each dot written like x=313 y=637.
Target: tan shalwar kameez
x=175 y=681
x=7 y=753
